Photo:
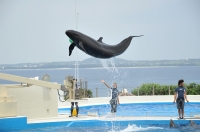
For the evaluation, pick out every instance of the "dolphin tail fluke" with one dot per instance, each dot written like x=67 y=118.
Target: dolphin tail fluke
x=71 y=47
x=137 y=36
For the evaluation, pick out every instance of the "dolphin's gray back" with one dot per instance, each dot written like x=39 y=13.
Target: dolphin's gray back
x=121 y=47
x=108 y=50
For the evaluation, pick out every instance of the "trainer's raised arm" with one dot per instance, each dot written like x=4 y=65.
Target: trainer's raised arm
x=105 y=83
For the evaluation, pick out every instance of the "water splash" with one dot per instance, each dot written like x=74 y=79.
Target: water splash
x=116 y=74
x=134 y=128
x=114 y=126
x=117 y=77
x=109 y=64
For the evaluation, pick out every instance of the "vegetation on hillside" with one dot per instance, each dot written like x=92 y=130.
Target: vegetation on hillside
x=94 y=62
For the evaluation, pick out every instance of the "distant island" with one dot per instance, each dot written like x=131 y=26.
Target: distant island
x=96 y=63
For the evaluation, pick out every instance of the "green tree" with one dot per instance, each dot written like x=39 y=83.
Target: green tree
x=147 y=89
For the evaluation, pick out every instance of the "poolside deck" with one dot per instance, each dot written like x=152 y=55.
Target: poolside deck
x=66 y=117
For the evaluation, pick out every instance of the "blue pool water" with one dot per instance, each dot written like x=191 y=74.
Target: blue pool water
x=140 y=109
x=167 y=109
x=15 y=124
x=117 y=128
x=106 y=126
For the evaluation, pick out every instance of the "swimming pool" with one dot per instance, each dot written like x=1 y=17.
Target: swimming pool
x=167 y=109
x=121 y=128
x=120 y=124
x=103 y=126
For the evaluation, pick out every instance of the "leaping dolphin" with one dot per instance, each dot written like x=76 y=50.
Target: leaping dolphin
x=96 y=48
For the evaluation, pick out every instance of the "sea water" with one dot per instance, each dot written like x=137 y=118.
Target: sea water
x=128 y=78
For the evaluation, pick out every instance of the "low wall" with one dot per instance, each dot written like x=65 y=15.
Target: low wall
x=130 y=99
x=35 y=101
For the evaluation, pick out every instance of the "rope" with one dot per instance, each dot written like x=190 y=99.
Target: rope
x=76 y=62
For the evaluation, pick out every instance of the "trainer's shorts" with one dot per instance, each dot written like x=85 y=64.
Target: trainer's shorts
x=113 y=104
x=180 y=103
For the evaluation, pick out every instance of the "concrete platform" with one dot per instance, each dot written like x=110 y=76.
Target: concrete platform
x=66 y=117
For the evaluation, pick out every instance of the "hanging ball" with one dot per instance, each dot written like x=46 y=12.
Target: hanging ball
x=71 y=41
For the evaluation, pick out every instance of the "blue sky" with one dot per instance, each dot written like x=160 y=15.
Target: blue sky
x=34 y=30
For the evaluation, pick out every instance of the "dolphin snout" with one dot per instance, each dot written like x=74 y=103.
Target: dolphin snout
x=67 y=32
x=71 y=33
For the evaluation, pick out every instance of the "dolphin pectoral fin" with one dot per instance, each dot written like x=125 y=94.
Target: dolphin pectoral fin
x=71 y=47
x=81 y=45
x=100 y=39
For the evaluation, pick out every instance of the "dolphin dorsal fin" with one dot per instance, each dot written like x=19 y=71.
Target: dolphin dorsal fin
x=100 y=39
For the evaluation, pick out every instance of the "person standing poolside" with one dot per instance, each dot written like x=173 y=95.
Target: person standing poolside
x=180 y=96
x=115 y=99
